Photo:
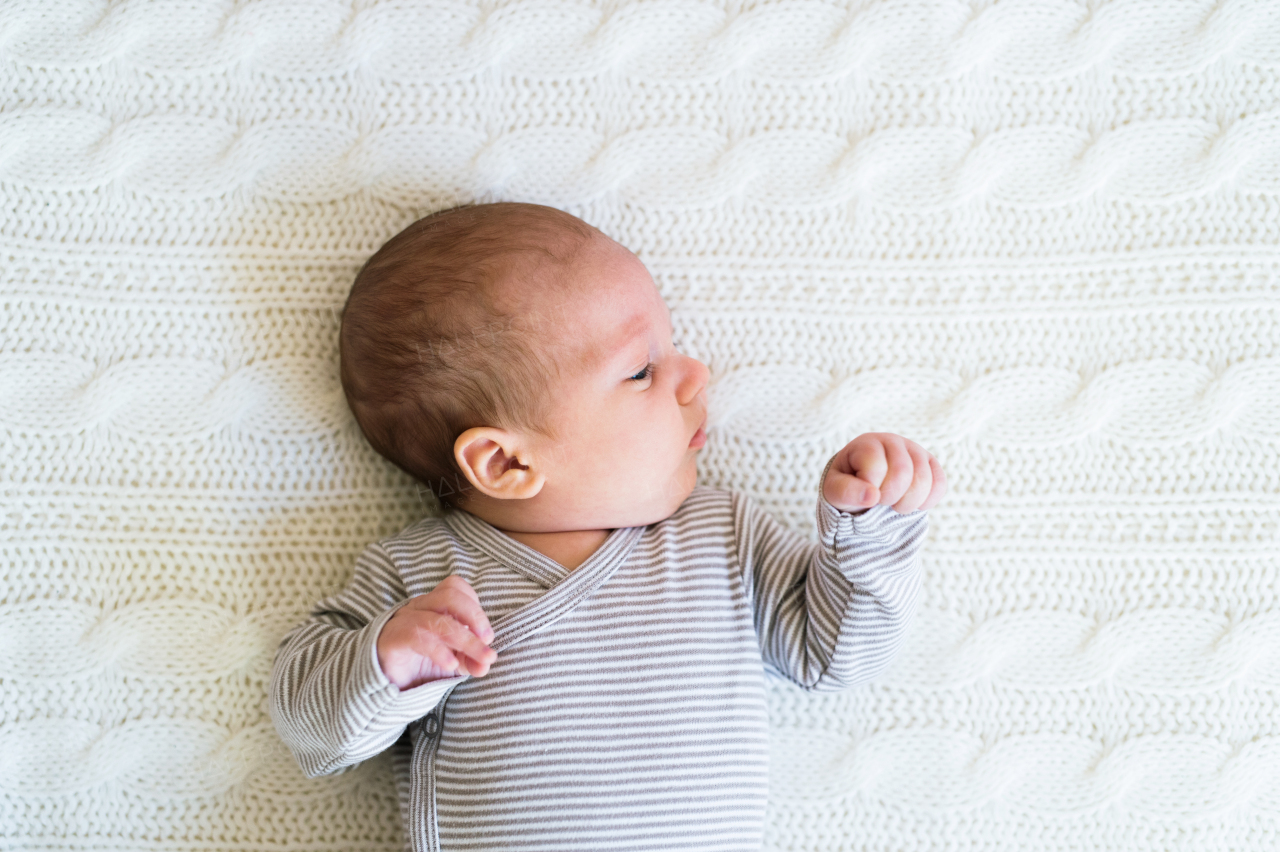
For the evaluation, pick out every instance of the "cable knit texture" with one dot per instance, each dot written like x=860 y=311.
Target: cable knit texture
x=1039 y=237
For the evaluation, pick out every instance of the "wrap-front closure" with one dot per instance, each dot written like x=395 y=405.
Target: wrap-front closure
x=565 y=591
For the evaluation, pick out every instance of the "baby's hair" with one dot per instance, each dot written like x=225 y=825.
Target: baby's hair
x=426 y=349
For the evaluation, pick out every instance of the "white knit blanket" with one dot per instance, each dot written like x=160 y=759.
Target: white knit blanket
x=1039 y=237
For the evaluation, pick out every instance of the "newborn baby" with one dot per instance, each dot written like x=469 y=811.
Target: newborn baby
x=573 y=656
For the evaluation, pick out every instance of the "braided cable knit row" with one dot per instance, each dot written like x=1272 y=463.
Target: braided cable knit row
x=700 y=39
x=910 y=168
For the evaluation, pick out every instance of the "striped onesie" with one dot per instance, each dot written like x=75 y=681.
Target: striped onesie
x=626 y=708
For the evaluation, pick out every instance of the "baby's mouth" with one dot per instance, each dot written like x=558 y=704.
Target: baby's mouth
x=700 y=437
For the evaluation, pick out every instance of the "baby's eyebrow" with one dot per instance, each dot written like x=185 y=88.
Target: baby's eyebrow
x=631 y=345
x=631 y=350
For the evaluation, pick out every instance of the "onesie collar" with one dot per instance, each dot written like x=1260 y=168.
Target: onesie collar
x=539 y=567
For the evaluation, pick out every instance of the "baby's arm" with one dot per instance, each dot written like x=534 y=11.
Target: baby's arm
x=832 y=614
x=330 y=699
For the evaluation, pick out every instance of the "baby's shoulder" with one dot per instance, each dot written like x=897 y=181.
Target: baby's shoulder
x=427 y=527
x=428 y=540
x=422 y=554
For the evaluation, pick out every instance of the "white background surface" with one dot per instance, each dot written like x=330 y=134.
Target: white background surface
x=1037 y=236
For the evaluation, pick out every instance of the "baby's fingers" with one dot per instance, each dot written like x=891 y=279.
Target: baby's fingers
x=455 y=596
x=451 y=645
x=866 y=460
x=902 y=473
x=939 y=488
x=921 y=480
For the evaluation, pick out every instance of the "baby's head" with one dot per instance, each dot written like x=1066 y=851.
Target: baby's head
x=519 y=363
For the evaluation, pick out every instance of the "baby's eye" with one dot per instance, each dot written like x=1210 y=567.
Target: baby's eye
x=643 y=374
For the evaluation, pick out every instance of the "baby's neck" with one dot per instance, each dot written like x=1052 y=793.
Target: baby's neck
x=570 y=548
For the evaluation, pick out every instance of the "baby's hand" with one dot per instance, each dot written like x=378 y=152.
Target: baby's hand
x=443 y=633
x=887 y=469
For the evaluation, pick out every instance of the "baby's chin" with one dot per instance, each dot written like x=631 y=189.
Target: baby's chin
x=658 y=511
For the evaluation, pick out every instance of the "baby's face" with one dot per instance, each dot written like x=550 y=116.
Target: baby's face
x=631 y=417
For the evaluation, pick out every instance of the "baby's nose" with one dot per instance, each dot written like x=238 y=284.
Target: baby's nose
x=695 y=384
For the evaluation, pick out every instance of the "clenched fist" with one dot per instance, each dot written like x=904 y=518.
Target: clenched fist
x=443 y=633
x=880 y=468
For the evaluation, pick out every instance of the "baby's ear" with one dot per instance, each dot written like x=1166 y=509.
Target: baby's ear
x=489 y=458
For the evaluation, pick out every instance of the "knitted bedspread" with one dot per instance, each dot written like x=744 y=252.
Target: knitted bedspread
x=1039 y=237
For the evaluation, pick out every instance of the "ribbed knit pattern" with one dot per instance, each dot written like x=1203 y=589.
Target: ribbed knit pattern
x=627 y=706
x=1039 y=237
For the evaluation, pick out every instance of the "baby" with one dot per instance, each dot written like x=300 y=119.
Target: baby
x=573 y=655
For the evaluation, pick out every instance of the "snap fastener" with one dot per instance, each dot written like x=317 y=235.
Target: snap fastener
x=432 y=725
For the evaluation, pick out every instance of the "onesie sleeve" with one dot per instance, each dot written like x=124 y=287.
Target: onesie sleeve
x=329 y=699
x=831 y=614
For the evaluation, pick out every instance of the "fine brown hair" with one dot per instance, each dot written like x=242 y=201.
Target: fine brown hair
x=429 y=347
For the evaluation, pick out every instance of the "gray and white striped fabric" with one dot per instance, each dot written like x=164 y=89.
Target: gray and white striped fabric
x=626 y=709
